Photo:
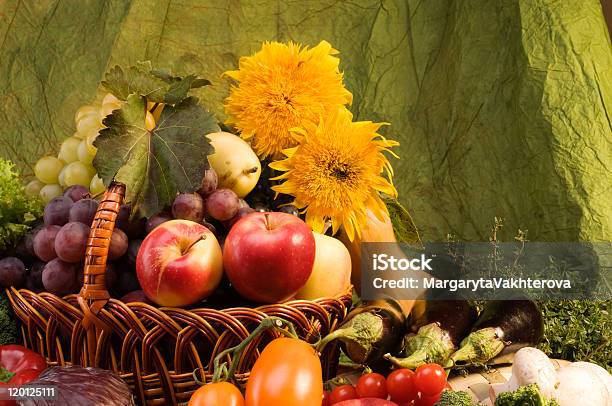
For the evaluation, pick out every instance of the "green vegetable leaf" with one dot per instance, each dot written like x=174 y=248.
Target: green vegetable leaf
x=5 y=375
x=404 y=227
x=155 y=165
x=157 y=85
x=17 y=210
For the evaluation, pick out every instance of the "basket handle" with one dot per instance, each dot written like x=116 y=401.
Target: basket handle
x=94 y=295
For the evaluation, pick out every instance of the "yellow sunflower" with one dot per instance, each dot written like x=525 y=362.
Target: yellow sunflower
x=280 y=87
x=337 y=171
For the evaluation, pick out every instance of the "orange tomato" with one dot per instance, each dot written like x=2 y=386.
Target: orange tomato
x=216 y=394
x=288 y=372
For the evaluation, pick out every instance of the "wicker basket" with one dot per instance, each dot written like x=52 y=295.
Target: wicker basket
x=155 y=350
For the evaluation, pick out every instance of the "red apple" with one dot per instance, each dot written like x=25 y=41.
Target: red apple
x=268 y=257
x=179 y=263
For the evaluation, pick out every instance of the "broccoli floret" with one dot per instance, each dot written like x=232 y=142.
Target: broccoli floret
x=524 y=396
x=451 y=398
x=8 y=328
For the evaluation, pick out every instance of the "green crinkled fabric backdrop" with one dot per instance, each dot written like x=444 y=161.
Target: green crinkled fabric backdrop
x=503 y=108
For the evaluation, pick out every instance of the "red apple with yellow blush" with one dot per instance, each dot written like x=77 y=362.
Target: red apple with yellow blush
x=179 y=263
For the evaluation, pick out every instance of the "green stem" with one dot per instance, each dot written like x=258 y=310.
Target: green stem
x=479 y=347
x=5 y=375
x=271 y=322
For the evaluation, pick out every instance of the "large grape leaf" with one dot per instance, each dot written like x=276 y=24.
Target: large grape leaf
x=155 y=165
x=502 y=108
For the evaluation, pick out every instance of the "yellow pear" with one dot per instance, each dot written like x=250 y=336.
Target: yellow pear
x=237 y=166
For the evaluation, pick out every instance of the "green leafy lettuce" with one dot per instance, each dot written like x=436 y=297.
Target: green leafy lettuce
x=17 y=211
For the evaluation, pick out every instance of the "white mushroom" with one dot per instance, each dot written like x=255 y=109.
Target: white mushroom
x=530 y=366
x=580 y=386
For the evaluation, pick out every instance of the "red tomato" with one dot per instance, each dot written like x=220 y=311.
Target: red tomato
x=220 y=393
x=424 y=400
x=325 y=401
x=400 y=385
x=372 y=385
x=430 y=379
x=288 y=372
x=343 y=392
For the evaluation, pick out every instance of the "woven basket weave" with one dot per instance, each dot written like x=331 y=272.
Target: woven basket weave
x=155 y=350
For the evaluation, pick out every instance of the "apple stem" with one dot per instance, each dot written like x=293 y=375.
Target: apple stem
x=268 y=221
x=200 y=238
x=282 y=326
x=250 y=170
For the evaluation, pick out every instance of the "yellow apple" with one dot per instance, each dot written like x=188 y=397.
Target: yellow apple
x=237 y=166
x=331 y=272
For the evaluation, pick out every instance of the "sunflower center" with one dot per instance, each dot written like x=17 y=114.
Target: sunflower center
x=340 y=171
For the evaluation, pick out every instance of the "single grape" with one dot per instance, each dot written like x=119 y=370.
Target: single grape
x=210 y=181
x=290 y=209
x=49 y=192
x=77 y=192
x=156 y=220
x=188 y=206
x=32 y=189
x=110 y=98
x=21 y=252
x=59 y=277
x=44 y=243
x=47 y=169
x=242 y=212
x=132 y=252
x=57 y=211
x=84 y=211
x=135 y=296
x=96 y=186
x=118 y=244
x=68 y=150
x=29 y=239
x=85 y=153
x=77 y=173
x=83 y=111
x=88 y=123
x=123 y=216
x=12 y=272
x=71 y=242
x=222 y=204
x=34 y=279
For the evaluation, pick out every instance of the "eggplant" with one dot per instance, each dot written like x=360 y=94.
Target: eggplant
x=371 y=330
x=439 y=331
x=503 y=327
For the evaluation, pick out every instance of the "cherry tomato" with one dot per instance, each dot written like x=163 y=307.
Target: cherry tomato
x=424 y=400
x=430 y=379
x=288 y=372
x=325 y=401
x=220 y=393
x=372 y=385
x=400 y=385
x=342 y=392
